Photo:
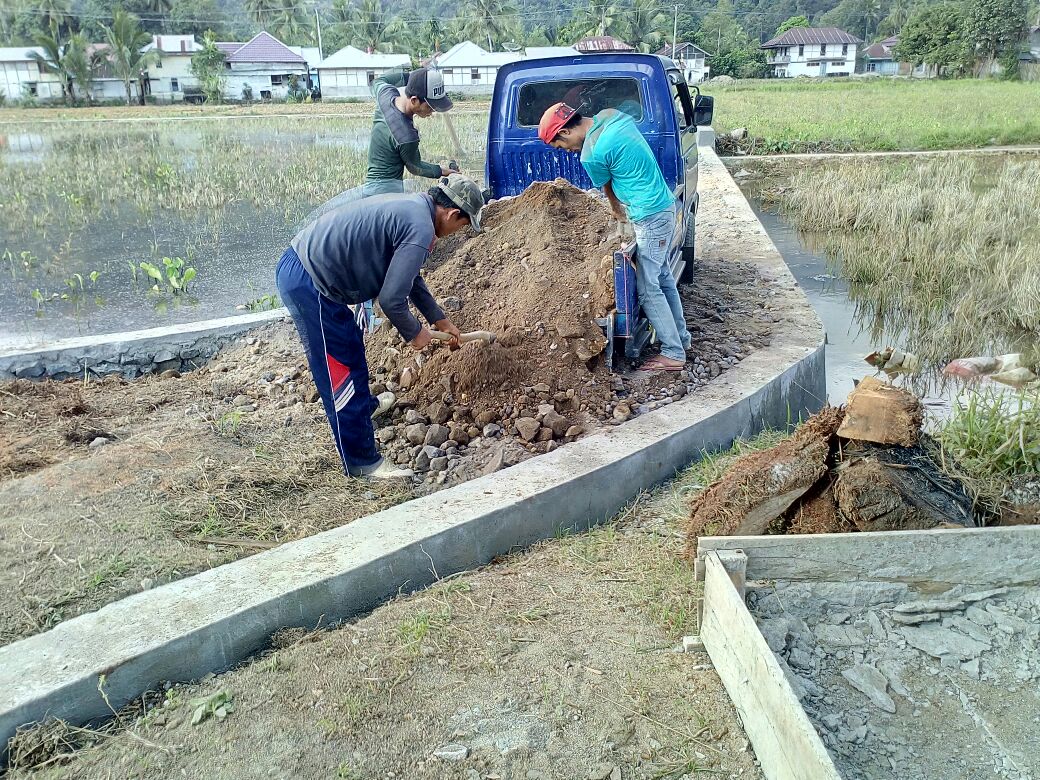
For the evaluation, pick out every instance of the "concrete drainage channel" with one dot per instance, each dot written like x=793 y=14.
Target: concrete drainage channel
x=133 y=353
x=210 y=621
x=909 y=654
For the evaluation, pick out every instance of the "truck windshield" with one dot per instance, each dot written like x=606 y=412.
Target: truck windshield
x=589 y=96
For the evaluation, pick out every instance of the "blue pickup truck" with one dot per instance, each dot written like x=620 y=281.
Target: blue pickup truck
x=650 y=88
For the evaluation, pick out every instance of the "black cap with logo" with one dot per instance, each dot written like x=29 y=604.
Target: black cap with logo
x=428 y=84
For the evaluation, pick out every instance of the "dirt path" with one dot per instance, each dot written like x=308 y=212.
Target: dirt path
x=556 y=663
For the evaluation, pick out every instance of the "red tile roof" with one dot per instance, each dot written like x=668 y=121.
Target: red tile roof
x=812 y=35
x=229 y=47
x=265 y=48
x=882 y=50
x=602 y=43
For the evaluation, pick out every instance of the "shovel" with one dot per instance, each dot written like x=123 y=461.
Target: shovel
x=476 y=335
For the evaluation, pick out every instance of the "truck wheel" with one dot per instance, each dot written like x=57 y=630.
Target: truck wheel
x=688 y=249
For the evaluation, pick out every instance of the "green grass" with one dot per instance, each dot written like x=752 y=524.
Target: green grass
x=943 y=254
x=883 y=114
x=994 y=434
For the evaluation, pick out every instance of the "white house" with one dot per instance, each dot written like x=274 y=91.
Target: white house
x=812 y=51
x=20 y=75
x=349 y=73
x=691 y=59
x=263 y=66
x=468 y=69
x=171 y=70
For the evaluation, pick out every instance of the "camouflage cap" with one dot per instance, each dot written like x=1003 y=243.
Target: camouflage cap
x=464 y=193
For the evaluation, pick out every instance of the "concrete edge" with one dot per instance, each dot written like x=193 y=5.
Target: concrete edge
x=977 y=556
x=215 y=619
x=133 y=352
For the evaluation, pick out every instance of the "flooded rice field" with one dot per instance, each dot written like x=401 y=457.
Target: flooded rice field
x=102 y=222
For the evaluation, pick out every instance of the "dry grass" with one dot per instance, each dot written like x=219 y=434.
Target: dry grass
x=945 y=251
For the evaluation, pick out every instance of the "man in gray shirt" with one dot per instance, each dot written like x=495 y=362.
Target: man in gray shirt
x=374 y=249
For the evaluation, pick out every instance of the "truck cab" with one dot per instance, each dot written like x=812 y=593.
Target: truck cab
x=648 y=87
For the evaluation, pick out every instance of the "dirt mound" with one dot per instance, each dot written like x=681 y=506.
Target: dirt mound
x=762 y=485
x=538 y=277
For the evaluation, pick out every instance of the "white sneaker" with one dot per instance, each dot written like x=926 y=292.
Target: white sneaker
x=387 y=401
x=382 y=470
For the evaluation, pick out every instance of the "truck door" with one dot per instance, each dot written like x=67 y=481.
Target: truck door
x=687 y=189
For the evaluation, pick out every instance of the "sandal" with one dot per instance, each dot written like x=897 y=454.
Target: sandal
x=659 y=363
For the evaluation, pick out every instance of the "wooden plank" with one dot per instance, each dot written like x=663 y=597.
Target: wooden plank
x=975 y=556
x=785 y=742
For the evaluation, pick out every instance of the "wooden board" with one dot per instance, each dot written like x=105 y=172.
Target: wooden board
x=785 y=742
x=987 y=557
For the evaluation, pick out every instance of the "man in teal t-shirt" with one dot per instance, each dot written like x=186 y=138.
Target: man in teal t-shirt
x=619 y=161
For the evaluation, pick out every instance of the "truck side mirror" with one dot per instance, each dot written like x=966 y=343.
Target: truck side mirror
x=703 y=109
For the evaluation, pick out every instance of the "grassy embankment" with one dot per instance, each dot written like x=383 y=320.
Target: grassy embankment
x=946 y=253
x=577 y=632
x=879 y=114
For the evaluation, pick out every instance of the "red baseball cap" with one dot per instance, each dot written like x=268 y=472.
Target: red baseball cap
x=553 y=120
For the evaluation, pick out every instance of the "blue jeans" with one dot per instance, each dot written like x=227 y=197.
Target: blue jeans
x=655 y=284
x=333 y=338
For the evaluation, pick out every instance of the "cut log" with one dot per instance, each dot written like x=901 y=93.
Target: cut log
x=880 y=413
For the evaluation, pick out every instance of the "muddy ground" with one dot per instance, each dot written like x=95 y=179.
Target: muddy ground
x=558 y=663
x=110 y=486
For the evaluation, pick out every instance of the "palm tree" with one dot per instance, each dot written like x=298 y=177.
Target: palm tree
x=52 y=60
x=600 y=17
x=872 y=13
x=56 y=14
x=288 y=24
x=125 y=39
x=490 y=20
x=898 y=13
x=646 y=24
x=80 y=63
x=374 y=27
x=263 y=11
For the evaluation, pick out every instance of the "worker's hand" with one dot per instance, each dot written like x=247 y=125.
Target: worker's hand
x=446 y=171
x=447 y=326
x=422 y=340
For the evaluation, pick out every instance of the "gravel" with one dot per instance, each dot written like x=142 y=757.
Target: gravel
x=956 y=695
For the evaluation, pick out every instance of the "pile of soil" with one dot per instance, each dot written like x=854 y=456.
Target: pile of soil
x=537 y=277
x=111 y=486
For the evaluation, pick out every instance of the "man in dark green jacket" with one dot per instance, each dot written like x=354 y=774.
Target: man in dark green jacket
x=394 y=144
